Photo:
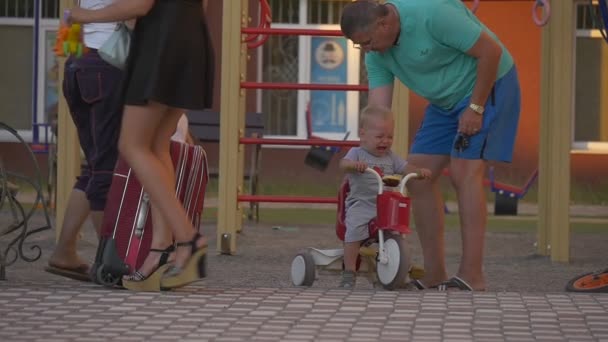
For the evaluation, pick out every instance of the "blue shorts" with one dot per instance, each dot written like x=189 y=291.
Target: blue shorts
x=495 y=141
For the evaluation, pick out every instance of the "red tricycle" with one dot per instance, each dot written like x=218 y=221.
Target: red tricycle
x=390 y=260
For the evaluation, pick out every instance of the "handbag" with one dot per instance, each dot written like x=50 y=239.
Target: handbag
x=115 y=50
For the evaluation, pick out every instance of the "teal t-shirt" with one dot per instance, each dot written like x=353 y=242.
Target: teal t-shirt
x=430 y=56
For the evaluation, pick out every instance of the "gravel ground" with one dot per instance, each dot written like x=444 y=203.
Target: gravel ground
x=264 y=257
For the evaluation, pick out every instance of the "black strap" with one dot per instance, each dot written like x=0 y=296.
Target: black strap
x=191 y=243
x=165 y=256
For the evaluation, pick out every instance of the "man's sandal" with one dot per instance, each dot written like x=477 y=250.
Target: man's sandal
x=193 y=270
x=455 y=283
x=139 y=282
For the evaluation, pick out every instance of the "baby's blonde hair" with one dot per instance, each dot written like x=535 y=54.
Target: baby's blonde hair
x=374 y=112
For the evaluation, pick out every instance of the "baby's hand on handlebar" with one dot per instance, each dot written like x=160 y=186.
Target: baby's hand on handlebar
x=424 y=174
x=360 y=166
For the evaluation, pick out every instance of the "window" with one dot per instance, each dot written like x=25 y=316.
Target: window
x=291 y=59
x=325 y=11
x=591 y=82
x=280 y=61
x=285 y=11
x=25 y=8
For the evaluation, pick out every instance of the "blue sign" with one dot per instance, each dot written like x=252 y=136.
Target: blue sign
x=328 y=108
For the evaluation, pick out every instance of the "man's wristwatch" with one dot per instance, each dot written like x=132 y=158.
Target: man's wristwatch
x=477 y=108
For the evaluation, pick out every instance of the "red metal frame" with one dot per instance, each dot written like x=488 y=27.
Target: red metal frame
x=265 y=21
x=302 y=86
x=293 y=32
x=286 y=199
x=298 y=142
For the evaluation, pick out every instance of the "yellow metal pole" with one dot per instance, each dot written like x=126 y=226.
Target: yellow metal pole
x=243 y=56
x=555 y=132
x=232 y=105
x=68 y=148
x=401 y=108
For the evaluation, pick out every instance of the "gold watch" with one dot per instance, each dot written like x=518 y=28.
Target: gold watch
x=477 y=108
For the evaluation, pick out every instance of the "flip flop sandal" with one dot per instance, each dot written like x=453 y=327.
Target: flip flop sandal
x=77 y=273
x=415 y=285
x=454 y=283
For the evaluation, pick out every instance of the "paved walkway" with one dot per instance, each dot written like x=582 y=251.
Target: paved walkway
x=249 y=297
x=71 y=311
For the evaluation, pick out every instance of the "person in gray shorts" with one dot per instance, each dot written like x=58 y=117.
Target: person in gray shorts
x=376 y=126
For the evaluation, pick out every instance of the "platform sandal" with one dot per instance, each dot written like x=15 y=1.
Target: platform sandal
x=193 y=270
x=138 y=282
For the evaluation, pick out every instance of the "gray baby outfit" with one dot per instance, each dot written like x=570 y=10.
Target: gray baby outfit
x=360 y=203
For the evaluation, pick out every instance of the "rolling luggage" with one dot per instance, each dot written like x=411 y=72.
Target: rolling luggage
x=126 y=231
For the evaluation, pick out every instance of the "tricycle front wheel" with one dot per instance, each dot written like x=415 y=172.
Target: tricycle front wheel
x=394 y=271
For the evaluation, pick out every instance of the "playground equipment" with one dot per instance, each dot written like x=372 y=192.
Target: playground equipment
x=234 y=86
x=390 y=261
x=589 y=282
x=507 y=196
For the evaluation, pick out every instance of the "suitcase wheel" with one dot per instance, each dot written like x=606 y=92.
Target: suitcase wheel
x=106 y=278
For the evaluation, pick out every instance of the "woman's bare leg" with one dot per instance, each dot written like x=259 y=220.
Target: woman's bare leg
x=161 y=236
x=139 y=126
x=162 y=150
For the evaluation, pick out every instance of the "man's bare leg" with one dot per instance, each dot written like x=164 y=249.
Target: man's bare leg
x=428 y=210
x=467 y=178
x=65 y=255
x=97 y=219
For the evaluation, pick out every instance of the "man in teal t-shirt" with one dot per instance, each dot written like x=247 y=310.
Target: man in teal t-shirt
x=442 y=52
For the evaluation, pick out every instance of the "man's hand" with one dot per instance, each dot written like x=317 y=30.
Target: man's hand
x=470 y=122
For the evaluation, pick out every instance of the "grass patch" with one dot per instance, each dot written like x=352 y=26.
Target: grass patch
x=580 y=193
x=294 y=217
x=280 y=188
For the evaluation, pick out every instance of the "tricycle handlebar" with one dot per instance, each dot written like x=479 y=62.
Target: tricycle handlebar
x=402 y=183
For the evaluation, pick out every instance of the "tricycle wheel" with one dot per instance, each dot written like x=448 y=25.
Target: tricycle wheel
x=394 y=272
x=589 y=282
x=303 y=269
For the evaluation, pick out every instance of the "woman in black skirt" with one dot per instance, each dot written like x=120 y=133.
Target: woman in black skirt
x=170 y=69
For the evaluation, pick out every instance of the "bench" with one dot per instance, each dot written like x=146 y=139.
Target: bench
x=205 y=127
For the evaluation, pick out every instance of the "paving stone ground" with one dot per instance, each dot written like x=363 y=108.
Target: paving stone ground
x=69 y=311
x=249 y=297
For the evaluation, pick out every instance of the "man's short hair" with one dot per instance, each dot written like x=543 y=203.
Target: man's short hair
x=360 y=15
x=374 y=112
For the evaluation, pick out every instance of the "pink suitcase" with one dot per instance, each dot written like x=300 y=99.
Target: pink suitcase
x=127 y=224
